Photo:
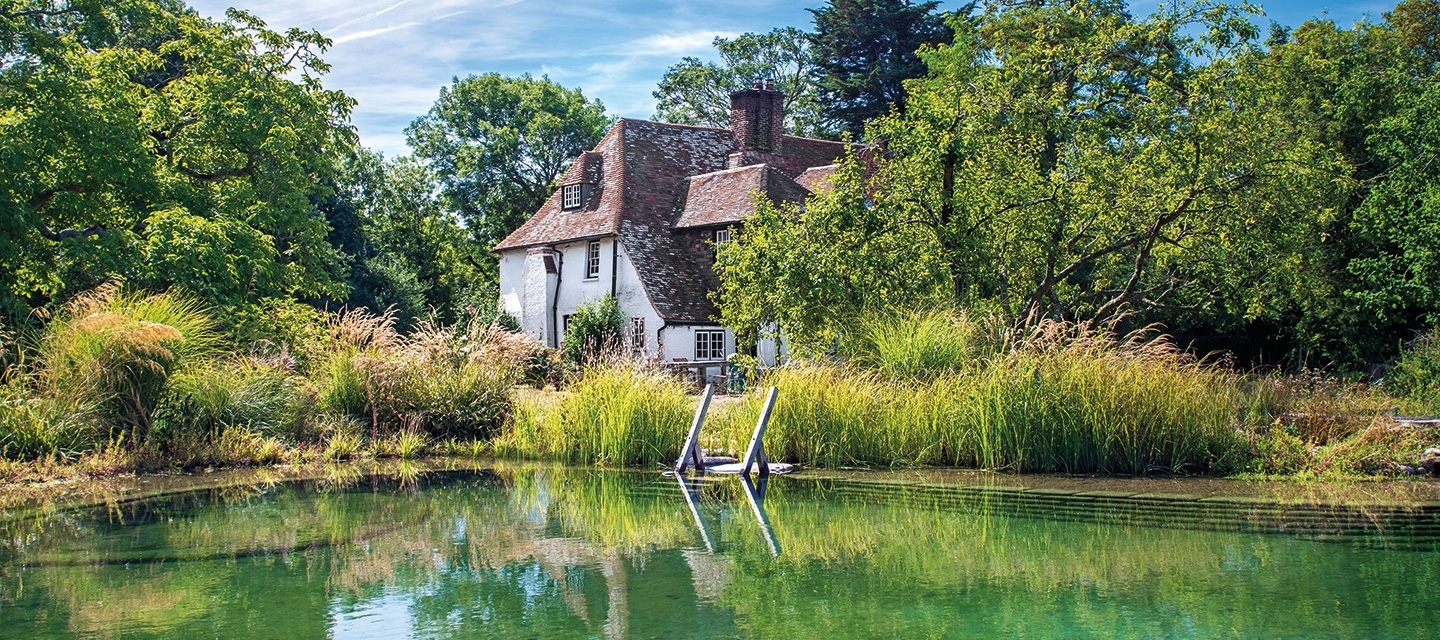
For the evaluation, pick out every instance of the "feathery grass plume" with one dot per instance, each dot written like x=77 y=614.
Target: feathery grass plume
x=359 y=328
x=1060 y=398
x=449 y=382
x=122 y=346
x=617 y=413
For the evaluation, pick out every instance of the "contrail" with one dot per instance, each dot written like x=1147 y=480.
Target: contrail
x=369 y=16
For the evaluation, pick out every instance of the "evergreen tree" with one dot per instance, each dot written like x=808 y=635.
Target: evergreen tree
x=865 y=50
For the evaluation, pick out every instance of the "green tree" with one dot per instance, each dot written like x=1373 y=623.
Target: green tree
x=1062 y=160
x=1074 y=162
x=696 y=92
x=498 y=144
x=808 y=272
x=1359 y=276
x=409 y=251
x=140 y=140
x=865 y=50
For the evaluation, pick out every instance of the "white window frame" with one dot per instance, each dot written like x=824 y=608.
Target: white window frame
x=722 y=236
x=592 y=260
x=570 y=196
x=709 y=345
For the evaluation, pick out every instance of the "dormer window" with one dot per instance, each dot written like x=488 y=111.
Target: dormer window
x=571 y=197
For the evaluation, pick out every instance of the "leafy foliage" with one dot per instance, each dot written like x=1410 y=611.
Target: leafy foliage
x=807 y=273
x=498 y=144
x=594 y=330
x=696 y=92
x=409 y=252
x=1417 y=373
x=141 y=140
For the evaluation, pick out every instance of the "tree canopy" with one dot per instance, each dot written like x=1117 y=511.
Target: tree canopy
x=140 y=140
x=498 y=144
x=864 y=52
x=696 y=92
x=1066 y=159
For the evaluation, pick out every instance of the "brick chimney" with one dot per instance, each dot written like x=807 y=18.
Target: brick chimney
x=757 y=119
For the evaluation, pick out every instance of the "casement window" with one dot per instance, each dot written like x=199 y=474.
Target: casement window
x=722 y=236
x=564 y=326
x=709 y=345
x=571 y=196
x=592 y=260
x=637 y=336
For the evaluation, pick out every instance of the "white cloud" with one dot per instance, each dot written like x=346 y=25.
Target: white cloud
x=665 y=44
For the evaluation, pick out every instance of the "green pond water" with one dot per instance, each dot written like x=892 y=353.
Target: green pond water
x=518 y=551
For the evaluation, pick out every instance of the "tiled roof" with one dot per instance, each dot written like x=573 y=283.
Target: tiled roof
x=816 y=179
x=641 y=170
x=724 y=197
x=599 y=216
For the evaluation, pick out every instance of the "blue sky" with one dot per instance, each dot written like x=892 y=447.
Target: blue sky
x=394 y=55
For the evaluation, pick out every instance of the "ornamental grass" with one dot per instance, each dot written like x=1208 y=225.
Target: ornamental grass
x=1059 y=398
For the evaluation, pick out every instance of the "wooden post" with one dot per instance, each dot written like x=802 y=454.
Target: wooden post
x=755 y=453
x=692 y=454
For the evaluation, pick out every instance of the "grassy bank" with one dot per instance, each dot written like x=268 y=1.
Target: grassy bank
x=119 y=381
x=125 y=381
x=941 y=389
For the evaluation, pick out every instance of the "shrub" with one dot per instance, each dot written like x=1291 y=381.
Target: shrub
x=447 y=382
x=616 y=413
x=480 y=305
x=594 y=330
x=217 y=397
x=291 y=332
x=1416 y=375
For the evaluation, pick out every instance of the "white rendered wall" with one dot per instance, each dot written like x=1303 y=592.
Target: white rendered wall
x=512 y=287
x=680 y=341
x=532 y=305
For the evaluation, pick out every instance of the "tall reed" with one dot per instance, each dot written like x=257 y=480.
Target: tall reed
x=1059 y=399
x=616 y=413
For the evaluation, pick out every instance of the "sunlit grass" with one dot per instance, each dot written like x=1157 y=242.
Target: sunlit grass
x=1062 y=399
x=616 y=413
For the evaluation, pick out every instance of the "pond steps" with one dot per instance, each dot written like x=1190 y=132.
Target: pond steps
x=691 y=455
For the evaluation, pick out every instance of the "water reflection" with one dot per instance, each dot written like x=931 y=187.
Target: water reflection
x=544 y=551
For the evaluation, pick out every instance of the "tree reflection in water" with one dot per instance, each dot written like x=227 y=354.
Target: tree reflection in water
x=518 y=550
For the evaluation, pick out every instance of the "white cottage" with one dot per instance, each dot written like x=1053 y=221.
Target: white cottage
x=635 y=216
